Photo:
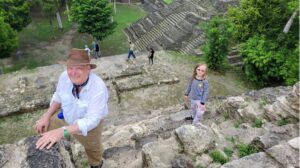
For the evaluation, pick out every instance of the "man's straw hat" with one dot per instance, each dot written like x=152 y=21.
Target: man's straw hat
x=78 y=57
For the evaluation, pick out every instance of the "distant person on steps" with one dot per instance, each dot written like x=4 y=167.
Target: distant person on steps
x=131 y=53
x=151 y=55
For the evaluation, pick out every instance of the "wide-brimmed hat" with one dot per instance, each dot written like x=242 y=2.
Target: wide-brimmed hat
x=78 y=57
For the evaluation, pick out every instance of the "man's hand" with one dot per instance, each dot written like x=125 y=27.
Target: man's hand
x=49 y=138
x=41 y=125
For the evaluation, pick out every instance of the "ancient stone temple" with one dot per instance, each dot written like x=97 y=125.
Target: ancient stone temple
x=174 y=26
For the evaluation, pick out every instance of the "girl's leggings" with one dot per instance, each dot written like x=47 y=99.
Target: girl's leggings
x=197 y=113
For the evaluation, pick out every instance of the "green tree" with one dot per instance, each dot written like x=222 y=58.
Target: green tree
x=218 y=32
x=93 y=17
x=269 y=39
x=8 y=39
x=256 y=17
x=15 y=13
x=262 y=63
x=49 y=10
x=290 y=69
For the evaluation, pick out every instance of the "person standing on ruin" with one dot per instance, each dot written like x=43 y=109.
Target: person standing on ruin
x=82 y=97
x=197 y=90
x=151 y=55
x=88 y=50
x=96 y=49
x=131 y=53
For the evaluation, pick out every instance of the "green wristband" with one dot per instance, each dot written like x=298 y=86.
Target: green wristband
x=66 y=133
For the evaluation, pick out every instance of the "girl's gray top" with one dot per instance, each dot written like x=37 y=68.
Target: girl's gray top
x=198 y=90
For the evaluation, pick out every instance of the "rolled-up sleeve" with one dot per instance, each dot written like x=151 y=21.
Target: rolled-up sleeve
x=96 y=111
x=55 y=96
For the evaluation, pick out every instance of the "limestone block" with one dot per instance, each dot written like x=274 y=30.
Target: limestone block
x=195 y=140
x=257 y=160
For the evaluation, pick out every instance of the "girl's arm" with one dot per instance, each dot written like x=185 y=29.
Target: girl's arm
x=205 y=92
x=188 y=88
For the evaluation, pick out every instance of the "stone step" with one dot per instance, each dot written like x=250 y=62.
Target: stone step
x=238 y=64
x=192 y=45
x=234 y=52
x=234 y=59
x=131 y=34
x=158 y=30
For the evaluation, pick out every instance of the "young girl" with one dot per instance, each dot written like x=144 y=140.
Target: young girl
x=197 y=89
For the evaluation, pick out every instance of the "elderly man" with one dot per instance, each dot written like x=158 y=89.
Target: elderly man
x=82 y=97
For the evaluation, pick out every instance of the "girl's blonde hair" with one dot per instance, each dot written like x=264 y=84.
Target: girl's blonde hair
x=195 y=70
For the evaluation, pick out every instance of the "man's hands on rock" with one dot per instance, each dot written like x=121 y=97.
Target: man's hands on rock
x=42 y=124
x=48 y=139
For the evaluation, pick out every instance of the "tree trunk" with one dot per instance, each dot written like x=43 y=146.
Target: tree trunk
x=289 y=23
x=115 y=7
x=51 y=25
x=60 y=25
x=67 y=7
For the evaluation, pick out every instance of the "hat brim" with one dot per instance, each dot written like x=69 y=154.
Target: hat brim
x=93 y=66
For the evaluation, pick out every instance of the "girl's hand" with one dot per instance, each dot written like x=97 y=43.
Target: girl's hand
x=186 y=99
x=202 y=107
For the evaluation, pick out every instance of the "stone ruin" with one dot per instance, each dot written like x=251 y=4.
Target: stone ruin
x=174 y=26
x=166 y=140
x=161 y=137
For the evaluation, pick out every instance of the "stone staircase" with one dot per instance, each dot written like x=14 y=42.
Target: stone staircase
x=173 y=26
x=157 y=31
x=153 y=30
x=234 y=58
x=194 y=43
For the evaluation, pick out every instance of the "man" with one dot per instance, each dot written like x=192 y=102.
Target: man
x=87 y=49
x=82 y=96
x=96 y=49
x=131 y=48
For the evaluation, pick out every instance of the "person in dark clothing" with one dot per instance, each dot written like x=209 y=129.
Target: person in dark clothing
x=96 y=49
x=151 y=55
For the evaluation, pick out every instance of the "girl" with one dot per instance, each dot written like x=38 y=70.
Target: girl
x=197 y=89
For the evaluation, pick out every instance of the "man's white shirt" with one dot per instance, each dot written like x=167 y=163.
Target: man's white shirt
x=89 y=109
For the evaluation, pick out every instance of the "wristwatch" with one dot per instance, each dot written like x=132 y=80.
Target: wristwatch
x=66 y=132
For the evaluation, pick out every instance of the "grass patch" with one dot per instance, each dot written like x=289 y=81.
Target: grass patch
x=263 y=101
x=237 y=124
x=40 y=30
x=168 y=1
x=26 y=63
x=228 y=152
x=116 y=43
x=84 y=164
x=245 y=150
x=219 y=157
x=282 y=122
x=257 y=123
x=178 y=57
x=226 y=115
x=15 y=128
x=200 y=166
x=231 y=139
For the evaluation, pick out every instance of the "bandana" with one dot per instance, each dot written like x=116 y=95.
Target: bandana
x=75 y=90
